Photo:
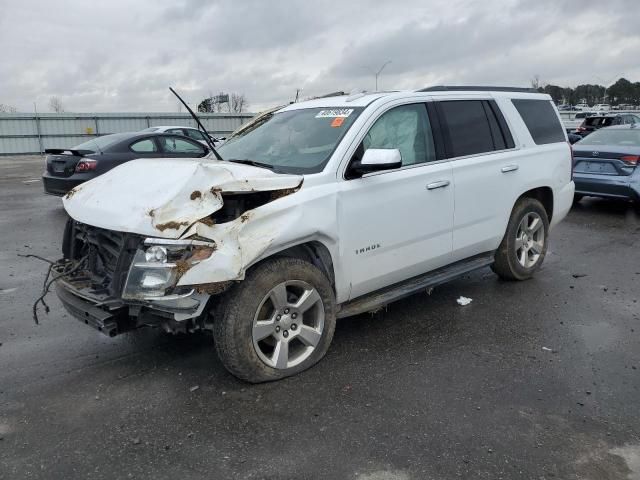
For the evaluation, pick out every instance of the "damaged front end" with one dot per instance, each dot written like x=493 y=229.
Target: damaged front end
x=121 y=281
x=155 y=256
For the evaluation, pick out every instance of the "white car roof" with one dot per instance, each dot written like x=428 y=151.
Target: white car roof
x=365 y=99
x=169 y=127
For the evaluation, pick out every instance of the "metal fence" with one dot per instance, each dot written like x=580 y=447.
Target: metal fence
x=23 y=133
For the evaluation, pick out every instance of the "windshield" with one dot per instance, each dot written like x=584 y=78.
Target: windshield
x=100 y=143
x=150 y=129
x=613 y=136
x=297 y=141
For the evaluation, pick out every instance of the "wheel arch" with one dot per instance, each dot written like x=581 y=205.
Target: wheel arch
x=314 y=252
x=544 y=195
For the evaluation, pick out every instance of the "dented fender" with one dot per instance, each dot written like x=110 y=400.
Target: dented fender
x=261 y=232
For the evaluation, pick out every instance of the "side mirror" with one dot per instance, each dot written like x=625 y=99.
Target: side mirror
x=377 y=159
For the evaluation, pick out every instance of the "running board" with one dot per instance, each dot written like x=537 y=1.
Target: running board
x=380 y=298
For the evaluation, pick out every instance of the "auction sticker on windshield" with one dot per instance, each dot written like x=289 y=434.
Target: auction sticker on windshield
x=335 y=113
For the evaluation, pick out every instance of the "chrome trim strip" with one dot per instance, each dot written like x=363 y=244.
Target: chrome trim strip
x=180 y=243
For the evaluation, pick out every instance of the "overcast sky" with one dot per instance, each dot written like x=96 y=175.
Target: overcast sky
x=121 y=55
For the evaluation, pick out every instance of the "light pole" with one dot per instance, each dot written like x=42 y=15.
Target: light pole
x=377 y=73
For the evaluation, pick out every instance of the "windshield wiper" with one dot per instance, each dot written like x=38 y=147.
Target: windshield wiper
x=254 y=163
x=207 y=137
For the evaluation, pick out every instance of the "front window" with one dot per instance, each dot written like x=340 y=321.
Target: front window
x=297 y=141
x=195 y=134
x=180 y=146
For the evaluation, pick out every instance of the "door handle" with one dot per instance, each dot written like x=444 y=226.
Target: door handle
x=510 y=168
x=440 y=184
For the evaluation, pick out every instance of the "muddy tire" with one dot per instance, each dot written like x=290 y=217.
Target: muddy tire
x=277 y=322
x=524 y=245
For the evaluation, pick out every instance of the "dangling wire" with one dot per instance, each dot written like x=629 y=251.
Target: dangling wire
x=46 y=285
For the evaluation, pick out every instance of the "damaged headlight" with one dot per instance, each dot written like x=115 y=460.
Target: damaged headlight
x=157 y=267
x=156 y=253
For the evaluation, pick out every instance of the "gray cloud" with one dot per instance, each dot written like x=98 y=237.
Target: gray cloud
x=122 y=56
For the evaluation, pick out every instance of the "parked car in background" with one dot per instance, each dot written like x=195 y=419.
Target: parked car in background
x=583 y=107
x=67 y=168
x=324 y=209
x=606 y=163
x=190 y=132
x=576 y=121
x=573 y=138
x=594 y=122
x=602 y=107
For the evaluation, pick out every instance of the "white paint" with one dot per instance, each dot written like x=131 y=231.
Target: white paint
x=143 y=195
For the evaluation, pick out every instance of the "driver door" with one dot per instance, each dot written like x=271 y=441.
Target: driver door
x=396 y=224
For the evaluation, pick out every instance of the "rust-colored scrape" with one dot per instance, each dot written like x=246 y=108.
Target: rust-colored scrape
x=182 y=266
x=171 y=226
x=213 y=288
x=208 y=221
x=196 y=194
x=72 y=192
x=216 y=190
x=244 y=217
x=151 y=212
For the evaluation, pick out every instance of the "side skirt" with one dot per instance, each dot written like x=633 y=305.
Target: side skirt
x=382 y=297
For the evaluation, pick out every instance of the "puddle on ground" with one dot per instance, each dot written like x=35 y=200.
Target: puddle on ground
x=598 y=335
x=631 y=455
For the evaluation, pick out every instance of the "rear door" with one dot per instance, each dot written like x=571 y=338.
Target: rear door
x=485 y=173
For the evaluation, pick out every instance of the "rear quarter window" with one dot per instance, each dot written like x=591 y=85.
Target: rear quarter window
x=541 y=120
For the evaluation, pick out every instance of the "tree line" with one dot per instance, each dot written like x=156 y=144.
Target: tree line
x=621 y=92
x=224 y=102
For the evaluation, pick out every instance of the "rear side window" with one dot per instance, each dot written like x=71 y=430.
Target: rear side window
x=473 y=126
x=144 y=146
x=541 y=120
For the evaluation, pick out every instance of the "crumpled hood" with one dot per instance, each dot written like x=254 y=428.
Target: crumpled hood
x=163 y=197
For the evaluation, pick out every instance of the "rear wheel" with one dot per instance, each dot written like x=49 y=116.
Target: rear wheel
x=278 y=322
x=524 y=245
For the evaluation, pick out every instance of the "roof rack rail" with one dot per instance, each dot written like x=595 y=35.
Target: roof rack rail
x=476 y=88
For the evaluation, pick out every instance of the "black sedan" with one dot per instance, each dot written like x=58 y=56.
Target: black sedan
x=606 y=163
x=595 y=122
x=66 y=168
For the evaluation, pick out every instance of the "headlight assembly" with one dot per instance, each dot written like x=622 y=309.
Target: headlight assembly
x=157 y=267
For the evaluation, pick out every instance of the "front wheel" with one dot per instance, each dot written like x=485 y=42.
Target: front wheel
x=524 y=245
x=278 y=322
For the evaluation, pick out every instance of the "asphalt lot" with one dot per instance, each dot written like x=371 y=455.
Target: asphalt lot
x=426 y=390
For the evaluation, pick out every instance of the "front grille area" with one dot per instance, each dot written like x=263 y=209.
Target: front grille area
x=105 y=254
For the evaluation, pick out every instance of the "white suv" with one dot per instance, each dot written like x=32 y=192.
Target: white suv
x=328 y=208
